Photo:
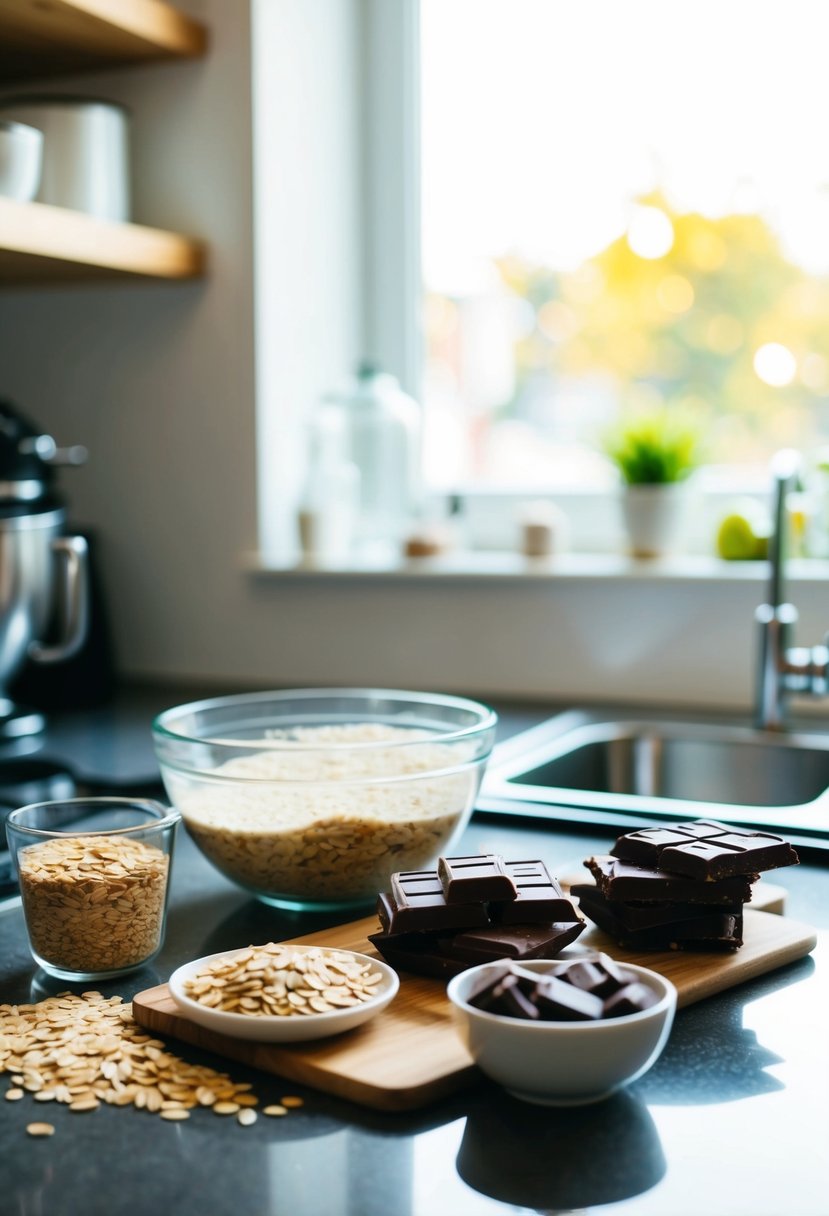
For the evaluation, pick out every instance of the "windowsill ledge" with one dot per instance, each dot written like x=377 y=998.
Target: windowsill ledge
x=460 y=565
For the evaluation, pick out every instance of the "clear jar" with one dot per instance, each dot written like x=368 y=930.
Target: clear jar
x=311 y=798
x=94 y=880
x=382 y=428
x=329 y=502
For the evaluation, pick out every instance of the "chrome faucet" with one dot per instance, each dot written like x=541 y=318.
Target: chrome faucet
x=783 y=668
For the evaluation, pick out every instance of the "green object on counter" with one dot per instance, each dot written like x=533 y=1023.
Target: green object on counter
x=743 y=534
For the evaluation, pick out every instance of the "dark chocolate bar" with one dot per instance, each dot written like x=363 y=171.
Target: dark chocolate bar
x=481 y=877
x=649 y=916
x=626 y=882
x=645 y=845
x=538 y=897
x=721 y=857
x=705 y=850
x=416 y=905
x=515 y=941
x=711 y=930
x=442 y=955
x=418 y=953
x=426 y=931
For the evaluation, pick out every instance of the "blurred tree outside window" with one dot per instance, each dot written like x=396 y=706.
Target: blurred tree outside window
x=625 y=203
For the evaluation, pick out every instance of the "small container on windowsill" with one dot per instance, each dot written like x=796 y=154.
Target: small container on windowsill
x=544 y=530
x=429 y=540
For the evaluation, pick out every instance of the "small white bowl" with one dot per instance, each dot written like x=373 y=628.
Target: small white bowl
x=563 y=1063
x=298 y=1029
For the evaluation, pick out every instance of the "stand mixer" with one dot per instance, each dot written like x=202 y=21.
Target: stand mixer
x=44 y=580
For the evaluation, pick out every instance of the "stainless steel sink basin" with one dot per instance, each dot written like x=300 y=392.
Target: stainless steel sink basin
x=622 y=769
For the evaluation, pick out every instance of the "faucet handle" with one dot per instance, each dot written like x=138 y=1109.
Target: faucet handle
x=805 y=670
x=819 y=673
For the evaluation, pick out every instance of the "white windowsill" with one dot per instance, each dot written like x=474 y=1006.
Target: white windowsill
x=513 y=567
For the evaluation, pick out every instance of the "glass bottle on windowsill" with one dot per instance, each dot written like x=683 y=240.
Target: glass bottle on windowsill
x=382 y=439
x=329 y=501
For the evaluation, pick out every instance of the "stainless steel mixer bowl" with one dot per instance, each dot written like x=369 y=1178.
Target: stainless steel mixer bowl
x=43 y=589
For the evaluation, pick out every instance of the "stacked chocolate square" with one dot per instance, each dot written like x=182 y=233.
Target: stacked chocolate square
x=681 y=887
x=472 y=910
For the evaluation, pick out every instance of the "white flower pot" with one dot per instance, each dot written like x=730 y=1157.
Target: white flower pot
x=654 y=516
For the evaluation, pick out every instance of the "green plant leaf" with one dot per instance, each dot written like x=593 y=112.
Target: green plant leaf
x=658 y=447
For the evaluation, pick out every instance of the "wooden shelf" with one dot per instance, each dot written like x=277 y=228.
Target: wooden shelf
x=42 y=244
x=41 y=38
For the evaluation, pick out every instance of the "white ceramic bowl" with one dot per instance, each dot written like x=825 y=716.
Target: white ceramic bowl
x=563 y=1063
x=299 y=1029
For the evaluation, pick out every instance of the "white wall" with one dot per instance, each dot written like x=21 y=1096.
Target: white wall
x=160 y=383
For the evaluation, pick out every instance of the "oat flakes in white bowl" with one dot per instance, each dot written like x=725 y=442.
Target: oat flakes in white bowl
x=312 y=798
x=280 y=993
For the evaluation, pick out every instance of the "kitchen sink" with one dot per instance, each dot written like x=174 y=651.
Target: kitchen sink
x=624 y=768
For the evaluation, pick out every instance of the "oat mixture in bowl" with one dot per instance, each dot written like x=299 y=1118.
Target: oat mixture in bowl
x=312 y=798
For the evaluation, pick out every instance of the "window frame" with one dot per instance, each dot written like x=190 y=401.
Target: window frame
x=391 y=175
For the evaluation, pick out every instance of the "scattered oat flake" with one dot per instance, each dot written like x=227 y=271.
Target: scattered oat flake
x=275 y=1110
x=293 y=1100
x=40 y=1129
x=83 y=1104
x=225 y=1108
x=80 y=1051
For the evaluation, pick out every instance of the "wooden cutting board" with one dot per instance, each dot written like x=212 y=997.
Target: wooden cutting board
x=411 y=1054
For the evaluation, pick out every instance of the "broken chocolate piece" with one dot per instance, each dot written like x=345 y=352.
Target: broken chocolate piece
x=417 y=905
x=517 y=992
x=514 y=941
x=633 y=998
x=624 y=881
x=538 y=897
x=600 y=977
x=480 y=877
x=509 y=999
x=559 y=1001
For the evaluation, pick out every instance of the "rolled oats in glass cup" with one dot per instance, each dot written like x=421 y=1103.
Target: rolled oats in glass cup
x=94 y=879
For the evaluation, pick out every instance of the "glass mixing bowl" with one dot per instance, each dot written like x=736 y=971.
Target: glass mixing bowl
x=312 y=798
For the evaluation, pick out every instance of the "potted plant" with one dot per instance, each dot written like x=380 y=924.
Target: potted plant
x=655 y=453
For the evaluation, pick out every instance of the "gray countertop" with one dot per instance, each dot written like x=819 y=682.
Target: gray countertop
x=731 y=1119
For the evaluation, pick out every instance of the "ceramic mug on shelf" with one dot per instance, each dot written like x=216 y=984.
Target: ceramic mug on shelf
x=21 y=160
x=85 y=151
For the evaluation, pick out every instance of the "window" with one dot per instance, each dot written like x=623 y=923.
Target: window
x=623 y=204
